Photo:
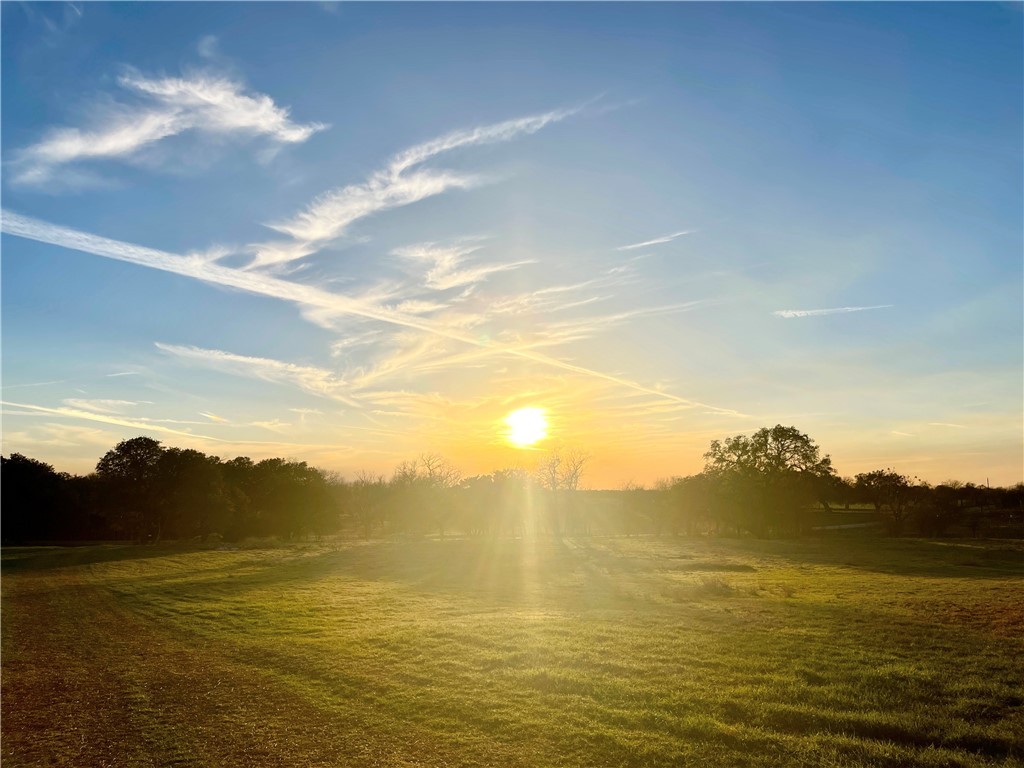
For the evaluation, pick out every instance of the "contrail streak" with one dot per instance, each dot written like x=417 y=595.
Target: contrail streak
x=304 y=295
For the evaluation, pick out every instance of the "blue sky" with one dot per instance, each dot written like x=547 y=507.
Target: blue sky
x=354 y=234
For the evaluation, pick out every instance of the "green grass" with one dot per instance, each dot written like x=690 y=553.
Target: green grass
x=601 y=652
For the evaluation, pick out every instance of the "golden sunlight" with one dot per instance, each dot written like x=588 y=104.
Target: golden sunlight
x=526 y=426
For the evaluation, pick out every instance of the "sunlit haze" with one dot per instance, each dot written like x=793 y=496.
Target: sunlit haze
x=357 y=234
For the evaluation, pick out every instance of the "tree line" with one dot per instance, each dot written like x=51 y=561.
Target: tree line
x=143 y=491
x=775 y=482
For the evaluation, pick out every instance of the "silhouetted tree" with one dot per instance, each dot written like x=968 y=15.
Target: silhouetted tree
x=493 y=504
x=438 y=478
x=835 y=490
x=687 y=503
x=291 y=498
x=559 y=474
x=87 y=516
x=477 y=505
x=239 y=488
x=646 y=509
x=887 y=490
x=32 y=499
x=192 y=497
x=420 y=495
x=938 y=508
x=401 y=505
x=129 y=472
x=366 y=501
x=512 y=495
x=768 y=478
x=762 y=483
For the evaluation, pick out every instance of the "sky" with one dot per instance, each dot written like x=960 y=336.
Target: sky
x=357 y=234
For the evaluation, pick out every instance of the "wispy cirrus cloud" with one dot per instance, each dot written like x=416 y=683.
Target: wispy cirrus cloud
x=35 y=384
x=656 y=241
x=274 y=425
x=565 y=296
x=353 y=341
x=445 y=265
x=100 y=405
x=420 y=307
x=401 y=182
x=406 y=357
x=576 y=329
x=59 y=434
x=165 y=107
x=208 y=47
x=306 y=413
x=317 y=381
x=306 y=297
x=55 y=19
x=278 y=255
x=791 y=313
x=108 y=418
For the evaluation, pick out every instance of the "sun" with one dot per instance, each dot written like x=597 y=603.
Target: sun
x=526 y=426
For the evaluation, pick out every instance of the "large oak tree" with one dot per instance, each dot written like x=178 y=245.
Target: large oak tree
x=765 y=481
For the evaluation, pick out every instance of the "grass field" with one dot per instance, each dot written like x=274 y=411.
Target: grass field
x=602 y=652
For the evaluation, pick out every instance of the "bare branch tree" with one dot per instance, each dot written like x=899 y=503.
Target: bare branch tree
x=573 y=462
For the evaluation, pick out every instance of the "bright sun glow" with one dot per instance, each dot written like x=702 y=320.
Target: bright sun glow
x=526 y=426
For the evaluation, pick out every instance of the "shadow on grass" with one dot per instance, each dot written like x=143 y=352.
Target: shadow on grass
x=495 y=572
x=938 y=558
x=22 y=559
x=584 y=573
x=800 y=721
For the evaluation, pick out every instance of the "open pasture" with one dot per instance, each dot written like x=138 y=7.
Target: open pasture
x=516 y=652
